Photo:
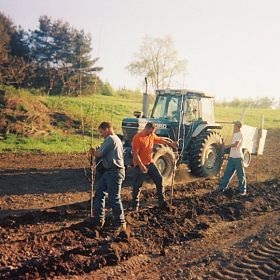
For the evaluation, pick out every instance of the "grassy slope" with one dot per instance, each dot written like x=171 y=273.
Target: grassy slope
x=91 y=110
x=97 y=109
x=114 y=109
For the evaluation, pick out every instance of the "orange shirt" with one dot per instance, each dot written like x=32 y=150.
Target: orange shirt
x=144 y=145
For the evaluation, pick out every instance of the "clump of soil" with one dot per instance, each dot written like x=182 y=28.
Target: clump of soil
x=50 y=243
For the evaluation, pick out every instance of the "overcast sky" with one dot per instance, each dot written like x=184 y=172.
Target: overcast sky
x=232 y=46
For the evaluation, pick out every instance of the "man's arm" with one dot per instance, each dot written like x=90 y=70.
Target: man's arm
x=135 y=154
x=168 y=142
x=137 y=159
x=103 y=150
x=95 y=153
x=234 y=145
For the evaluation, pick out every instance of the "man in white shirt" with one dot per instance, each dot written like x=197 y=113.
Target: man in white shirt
x=235 y=161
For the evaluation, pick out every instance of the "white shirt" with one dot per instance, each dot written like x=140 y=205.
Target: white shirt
x=236 y=152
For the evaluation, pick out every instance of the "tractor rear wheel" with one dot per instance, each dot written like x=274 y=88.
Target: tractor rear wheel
x=205 y=157
x=164 y=159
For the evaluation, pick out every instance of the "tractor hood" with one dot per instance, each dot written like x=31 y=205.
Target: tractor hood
x=131 y=126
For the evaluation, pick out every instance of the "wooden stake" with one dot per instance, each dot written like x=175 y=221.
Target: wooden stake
x=258 y=145
x=112 y=113
x=172 y=181
x=257 y=168
x=92 y=184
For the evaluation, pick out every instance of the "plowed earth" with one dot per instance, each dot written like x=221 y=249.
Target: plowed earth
x=45 y=234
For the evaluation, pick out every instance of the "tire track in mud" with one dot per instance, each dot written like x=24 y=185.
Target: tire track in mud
x=130 y=267
x=263 y=263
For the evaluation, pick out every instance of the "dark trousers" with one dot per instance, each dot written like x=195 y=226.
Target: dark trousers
x=109 y=183
x=140 y=177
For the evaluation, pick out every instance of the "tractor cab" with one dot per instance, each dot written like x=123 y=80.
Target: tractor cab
x=183 y=106
x=184 y=112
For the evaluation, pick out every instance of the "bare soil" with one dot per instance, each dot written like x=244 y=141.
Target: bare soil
x=45 y=233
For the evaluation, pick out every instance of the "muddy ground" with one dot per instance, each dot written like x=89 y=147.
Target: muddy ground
x=44 y=234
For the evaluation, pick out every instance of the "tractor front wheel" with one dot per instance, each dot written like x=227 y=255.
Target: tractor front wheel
x=164 y=159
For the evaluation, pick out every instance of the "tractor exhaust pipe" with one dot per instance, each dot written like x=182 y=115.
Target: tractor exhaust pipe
x=146 y=100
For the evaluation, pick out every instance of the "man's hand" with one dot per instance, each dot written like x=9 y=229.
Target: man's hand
x=144 y=169
x=170 y=143
x=174 y=145
x=91 y=151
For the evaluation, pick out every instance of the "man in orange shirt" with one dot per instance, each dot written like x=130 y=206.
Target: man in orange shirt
x=142 y=151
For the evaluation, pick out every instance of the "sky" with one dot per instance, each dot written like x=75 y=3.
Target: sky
x=232 y=46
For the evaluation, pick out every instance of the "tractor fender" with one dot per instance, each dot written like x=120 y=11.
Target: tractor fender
x=205 y=126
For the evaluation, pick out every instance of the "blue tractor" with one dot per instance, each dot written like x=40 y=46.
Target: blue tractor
x=187 y=117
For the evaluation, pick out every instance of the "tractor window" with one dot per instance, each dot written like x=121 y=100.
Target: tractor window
x=173 y=112
x=207 y=110
x=159 y=107
x=166 y=107
x=191 y=110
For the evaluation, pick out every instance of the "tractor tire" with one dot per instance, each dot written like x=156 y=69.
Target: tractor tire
x=247 y=157
x=164 y=159
x=205 y=155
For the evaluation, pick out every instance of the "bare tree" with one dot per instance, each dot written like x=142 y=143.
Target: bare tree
x=157 y=60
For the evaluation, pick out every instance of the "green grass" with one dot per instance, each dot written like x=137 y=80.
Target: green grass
x=92 y=110
x=250 y=116
x=95 y=110
x=49 y=144
x=99 y=108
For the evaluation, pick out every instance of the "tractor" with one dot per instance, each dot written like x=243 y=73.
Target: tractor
x=186 y=117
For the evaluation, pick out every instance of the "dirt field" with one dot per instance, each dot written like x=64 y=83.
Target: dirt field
x=44 y=203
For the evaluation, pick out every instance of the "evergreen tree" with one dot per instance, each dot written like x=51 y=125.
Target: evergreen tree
x=54 y=58
x=63 y=56
x=16 y=68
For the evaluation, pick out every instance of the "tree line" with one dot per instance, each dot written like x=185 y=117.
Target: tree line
x=54 y=58
x=258 y=102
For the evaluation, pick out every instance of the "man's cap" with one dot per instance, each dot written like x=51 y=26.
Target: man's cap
x=238 y=123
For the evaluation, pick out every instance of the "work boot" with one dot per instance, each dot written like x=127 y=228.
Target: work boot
x=164 y=206
x=98 y=225
x=222 y=190
x=243 y=193
x=134 y=206
x=121 y=231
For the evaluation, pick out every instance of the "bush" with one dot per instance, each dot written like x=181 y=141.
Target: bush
x=129 y=94
x=107 y=90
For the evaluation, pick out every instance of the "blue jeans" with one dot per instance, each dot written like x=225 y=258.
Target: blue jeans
x=110 y=182
x=234 y=165
x=140 y=177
